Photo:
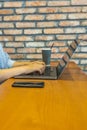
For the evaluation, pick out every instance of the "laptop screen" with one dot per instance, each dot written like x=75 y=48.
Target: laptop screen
x=67 y=56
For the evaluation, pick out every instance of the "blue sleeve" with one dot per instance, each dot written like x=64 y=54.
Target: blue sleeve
x=10 y=63
x=5 y=61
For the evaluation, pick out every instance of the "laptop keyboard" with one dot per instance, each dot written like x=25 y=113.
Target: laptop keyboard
x=46 y=72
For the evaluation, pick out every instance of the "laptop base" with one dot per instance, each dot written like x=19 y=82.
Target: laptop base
x=51 y=74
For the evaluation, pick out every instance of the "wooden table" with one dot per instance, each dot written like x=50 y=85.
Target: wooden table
x=60 y=105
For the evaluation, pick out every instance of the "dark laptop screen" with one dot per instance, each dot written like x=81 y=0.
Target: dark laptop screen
x=67 y=56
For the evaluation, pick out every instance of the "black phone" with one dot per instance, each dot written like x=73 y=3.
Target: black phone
x=28 y=84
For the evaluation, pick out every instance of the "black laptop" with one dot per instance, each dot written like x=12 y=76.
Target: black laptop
x=52 y=72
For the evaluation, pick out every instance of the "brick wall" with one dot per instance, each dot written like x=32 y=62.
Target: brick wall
x=27 y=26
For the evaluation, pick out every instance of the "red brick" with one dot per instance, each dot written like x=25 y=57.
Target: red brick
x=6 y=11
x=46 y=24
x=84 y=23
x=17 y=56
x=83 y=36
x=14 y=44
x=57 y=43
x=75 y=30
x=6 y=25
x=53 y=31
x=34 y=44
x=48 y=10
x=13 y=18
x=25 y=10
x=35 y=3
x=56 y=16
x=35 y=17
x=13 y=32
x=83 y=43
x=54 y=50
x=79 y=2
x=44 y=38
x=58 y=3
x=34 y=56
x=23 y=38
x=69 y=23
x=6 y=38
x=26 y=50
x=13 y=4
x=66 y=37
x=25 y=24
x=78 y=16
x=80 y=55
x=84 y=49
x=33 y=31
x=9 y=50
x=62 y=49
x=84 y=9
x=56 y=56
x=70 y=9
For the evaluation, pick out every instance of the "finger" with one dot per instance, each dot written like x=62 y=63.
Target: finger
x=40 y=62
x=42 y=69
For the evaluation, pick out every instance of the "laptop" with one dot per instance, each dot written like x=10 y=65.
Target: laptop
x=53 y=72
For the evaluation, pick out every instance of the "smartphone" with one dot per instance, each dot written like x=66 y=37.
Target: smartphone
x=28 y=84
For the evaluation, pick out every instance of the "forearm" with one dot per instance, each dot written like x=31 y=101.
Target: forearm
x=22 y=69
x=21 y=63
x=11 y=72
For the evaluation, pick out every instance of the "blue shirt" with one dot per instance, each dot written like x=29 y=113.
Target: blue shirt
x=5 y=61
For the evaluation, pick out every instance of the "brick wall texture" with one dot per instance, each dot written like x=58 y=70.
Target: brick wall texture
x=27 y=26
